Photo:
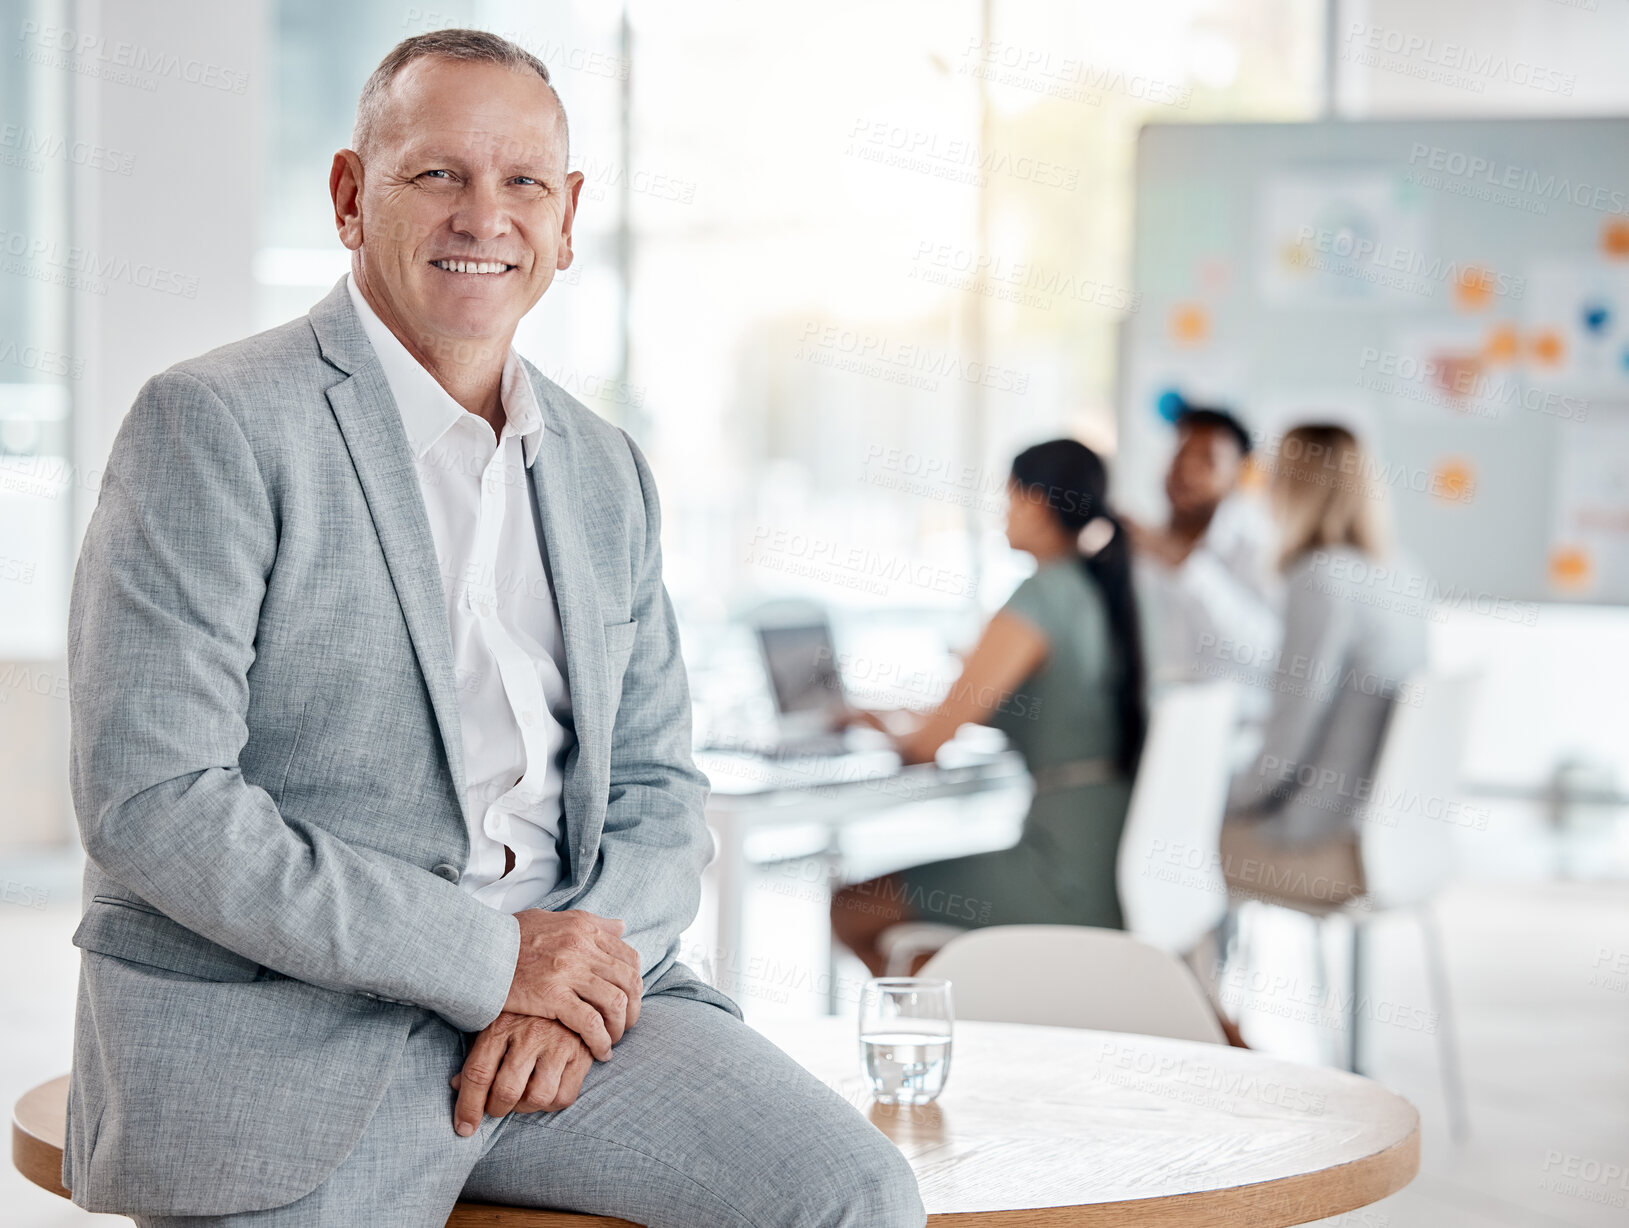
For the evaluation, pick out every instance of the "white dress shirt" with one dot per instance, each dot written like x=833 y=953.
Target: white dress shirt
x=1217 y=613
x=513 y=700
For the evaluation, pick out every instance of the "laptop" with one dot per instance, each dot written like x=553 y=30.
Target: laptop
x=808 y=689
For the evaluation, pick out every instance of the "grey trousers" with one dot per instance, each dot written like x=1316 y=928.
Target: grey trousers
x=697 y=1120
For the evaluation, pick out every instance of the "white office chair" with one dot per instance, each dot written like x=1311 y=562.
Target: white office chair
x=1405 y=841
x=1074 y=976
x=1172 y=891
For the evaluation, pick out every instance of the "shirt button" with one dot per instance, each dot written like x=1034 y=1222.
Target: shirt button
x=447 y=871
x=527 y=718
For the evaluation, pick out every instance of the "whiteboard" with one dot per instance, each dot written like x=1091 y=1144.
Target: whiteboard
x=1457 y=291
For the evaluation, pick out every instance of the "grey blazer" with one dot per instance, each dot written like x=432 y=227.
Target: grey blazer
x=1354 y=634
x=266 y=765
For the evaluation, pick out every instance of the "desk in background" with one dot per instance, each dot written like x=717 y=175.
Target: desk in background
x=755 y=793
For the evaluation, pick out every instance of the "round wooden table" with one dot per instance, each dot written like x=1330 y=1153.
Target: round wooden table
x=1057 y=1126
x=1042 y=1126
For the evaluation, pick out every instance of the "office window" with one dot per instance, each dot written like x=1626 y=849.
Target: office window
x=38 y=369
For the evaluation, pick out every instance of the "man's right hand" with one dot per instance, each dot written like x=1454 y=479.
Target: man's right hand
x=574 y=967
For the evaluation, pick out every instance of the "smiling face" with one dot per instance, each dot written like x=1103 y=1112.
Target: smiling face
x=462 y=213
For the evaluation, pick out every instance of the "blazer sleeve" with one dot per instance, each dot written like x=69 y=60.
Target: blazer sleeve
x=1319 y=626
x=161 y=643
x=655 y=841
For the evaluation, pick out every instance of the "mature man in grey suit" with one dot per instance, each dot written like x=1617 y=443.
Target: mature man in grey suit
x=328 y=976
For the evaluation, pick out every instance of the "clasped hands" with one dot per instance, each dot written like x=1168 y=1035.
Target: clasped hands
x=575 y=992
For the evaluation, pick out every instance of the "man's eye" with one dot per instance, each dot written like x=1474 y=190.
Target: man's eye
x=527 y=179
x=435 y=173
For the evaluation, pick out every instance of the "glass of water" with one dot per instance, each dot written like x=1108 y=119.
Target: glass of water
x=905 y=1037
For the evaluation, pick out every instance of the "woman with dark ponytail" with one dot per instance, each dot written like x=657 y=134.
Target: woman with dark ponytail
x=1060 y=671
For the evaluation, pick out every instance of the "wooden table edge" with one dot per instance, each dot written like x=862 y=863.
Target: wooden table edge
x=1278 y=1203
x=39 y=1157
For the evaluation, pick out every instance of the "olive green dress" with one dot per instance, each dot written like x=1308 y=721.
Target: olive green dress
x=1062 y=719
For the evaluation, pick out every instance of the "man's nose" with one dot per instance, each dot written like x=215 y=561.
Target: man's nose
x=480 y=214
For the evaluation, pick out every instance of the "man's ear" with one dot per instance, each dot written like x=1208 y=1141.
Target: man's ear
x=574 y=188
x=345 y=189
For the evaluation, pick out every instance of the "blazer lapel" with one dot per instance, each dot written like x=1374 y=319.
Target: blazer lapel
x=571 y=576
x=377 y=442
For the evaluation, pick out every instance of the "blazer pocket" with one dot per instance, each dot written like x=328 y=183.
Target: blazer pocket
x=134 y=931
x=619 y=638
x=619 y=642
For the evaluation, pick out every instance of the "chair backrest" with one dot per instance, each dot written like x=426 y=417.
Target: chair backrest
x=1073 y=976
x=1172 y=891
x=1406 y=827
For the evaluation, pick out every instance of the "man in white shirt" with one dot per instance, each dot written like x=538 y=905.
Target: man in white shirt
x=513 y=699
x=1206 y=579
x=381 y=756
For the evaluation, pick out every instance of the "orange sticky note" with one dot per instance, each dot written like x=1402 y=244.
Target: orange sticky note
x=1453 y=481
x=1546 y=347
x=1569 y=567
x=1615 y=238
x=1473 y=288
x=1190 y=323
x=1501 y=344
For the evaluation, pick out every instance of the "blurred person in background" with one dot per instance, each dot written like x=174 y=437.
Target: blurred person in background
x=1350 y=644
x=1205 y=578
x=1059 y=670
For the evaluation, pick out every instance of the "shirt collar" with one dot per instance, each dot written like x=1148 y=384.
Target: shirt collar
x=428 y=410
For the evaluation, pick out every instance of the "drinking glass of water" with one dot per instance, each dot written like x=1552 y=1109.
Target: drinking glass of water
x=905 y=1037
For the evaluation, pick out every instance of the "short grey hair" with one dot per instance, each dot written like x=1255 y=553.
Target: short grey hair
x=478 y=46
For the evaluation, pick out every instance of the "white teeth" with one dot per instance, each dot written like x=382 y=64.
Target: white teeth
x=470 y=266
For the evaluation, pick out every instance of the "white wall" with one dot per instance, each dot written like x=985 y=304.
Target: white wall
x=188 y=207
x=183 y=219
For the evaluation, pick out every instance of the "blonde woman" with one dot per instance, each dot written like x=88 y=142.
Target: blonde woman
x=1352 y=637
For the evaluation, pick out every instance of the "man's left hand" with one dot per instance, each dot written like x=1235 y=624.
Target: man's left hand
x=519 y=1064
